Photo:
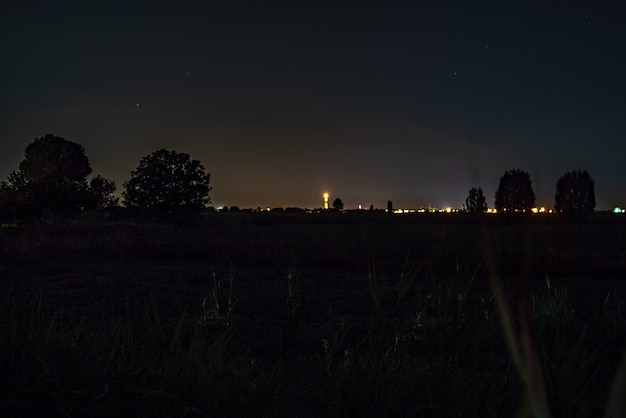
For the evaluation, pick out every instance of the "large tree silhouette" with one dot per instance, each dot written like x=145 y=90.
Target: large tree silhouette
x=51 y=182
x=168 y=185
x=575 y=195
x=515 y=192
x=337 y=204
x=475 y=201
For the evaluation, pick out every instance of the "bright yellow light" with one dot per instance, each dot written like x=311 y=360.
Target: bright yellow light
x=535 y=210
x=326 y=196
x=448 y=210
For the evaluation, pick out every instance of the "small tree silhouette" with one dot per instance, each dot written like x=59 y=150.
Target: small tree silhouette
x=515 y=192
x=102 y=190
x=476 y=201
x=575 y=195
x=337 y=204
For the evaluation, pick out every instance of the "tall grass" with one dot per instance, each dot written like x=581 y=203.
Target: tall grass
x=149 y=366
x=267 y=330
x=438 y=357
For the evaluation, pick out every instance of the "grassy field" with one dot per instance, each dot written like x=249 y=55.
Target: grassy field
x=307 y=315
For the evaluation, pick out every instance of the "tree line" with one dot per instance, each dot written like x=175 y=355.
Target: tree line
x=51 y=185
x=167 y=186
x=575 y=196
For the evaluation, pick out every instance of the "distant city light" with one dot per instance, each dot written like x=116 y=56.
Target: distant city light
x=326 y=197
x=404 y=211
x=617 y=209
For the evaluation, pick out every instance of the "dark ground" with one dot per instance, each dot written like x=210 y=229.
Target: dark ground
x=297 y=280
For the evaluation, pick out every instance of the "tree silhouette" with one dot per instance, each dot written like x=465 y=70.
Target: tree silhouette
x=168 y=185
x=476 y=201
x=14 y=199
x=51 y=182
x=337 y=204
x=53 y=159
x=515 y=192
x=102 y=190
x=575 y=195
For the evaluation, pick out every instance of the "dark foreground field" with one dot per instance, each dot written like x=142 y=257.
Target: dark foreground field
x=307 y=315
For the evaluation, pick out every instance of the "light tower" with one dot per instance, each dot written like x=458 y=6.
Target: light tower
x=326 y=200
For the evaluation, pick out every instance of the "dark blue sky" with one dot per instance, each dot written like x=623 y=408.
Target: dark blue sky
x=414 y=102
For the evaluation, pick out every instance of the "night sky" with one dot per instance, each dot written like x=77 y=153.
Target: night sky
x=414 y=102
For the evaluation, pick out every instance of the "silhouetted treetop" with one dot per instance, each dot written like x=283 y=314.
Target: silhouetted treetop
x=167 y=180
x=575 y=195
x=515 y=192
x=475 y=201
x=51 y=182
x=102 y=190
x=55 y=159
